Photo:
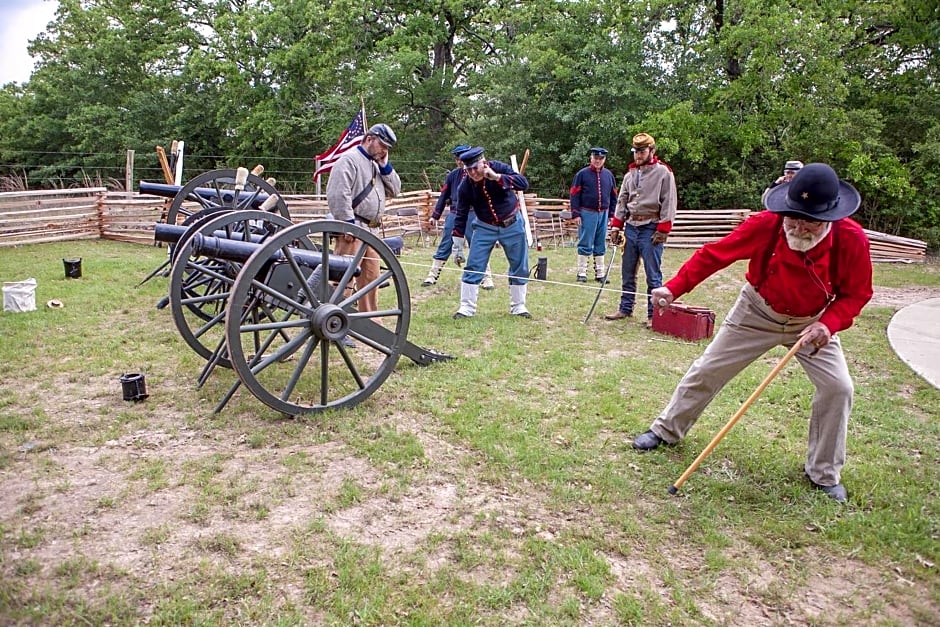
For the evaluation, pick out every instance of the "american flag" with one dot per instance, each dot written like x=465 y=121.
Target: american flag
x=350 y=138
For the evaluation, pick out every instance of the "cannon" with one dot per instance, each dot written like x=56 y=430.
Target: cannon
x=251 y=291
x=217 y=190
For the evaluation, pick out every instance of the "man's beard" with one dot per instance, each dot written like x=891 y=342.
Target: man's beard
x=802 y=241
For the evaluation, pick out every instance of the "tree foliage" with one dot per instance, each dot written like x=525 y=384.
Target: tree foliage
x=730 y=88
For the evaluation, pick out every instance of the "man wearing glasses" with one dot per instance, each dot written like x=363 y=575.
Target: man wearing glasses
x=645 y=210
x=489 y=191
x=808 y=276
x=447 y=198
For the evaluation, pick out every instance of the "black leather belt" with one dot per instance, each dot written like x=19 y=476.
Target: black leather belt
x=504 y=223
x=374 y=223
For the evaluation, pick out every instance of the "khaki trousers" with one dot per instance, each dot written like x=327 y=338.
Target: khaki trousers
x=750 y=330
x=369 y=270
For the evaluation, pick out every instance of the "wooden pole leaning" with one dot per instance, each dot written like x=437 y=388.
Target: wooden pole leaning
x=674 y=488
x=165 y=165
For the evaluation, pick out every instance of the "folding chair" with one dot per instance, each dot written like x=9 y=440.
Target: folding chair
x=545 y=225
x=410 y=223
x=569 y=229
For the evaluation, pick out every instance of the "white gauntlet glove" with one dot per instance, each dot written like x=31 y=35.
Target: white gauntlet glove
x=458 y=250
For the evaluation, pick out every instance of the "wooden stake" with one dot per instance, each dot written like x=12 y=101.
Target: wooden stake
x=525 y=161
x=164 y=165
x=129 y=172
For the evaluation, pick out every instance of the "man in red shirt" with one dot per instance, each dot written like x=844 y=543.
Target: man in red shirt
x=809 y=275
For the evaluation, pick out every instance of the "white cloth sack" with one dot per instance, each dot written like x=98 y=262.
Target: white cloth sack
x=19 y=296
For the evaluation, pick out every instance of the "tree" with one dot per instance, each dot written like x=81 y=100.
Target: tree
x=730 y=88
x=104 y=81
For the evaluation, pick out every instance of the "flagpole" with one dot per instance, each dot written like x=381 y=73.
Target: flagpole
x=362 y=107
x=360 y=126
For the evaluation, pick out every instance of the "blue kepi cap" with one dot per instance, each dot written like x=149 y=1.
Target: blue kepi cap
x=460 y=148
x=601 y=152
x=470 y=157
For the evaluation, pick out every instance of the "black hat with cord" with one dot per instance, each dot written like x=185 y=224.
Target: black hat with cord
x=815 y=193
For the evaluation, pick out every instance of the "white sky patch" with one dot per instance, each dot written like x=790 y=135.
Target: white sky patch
x=20 y=22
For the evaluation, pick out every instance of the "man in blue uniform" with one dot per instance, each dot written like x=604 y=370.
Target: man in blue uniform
x=448 y=198
x=489 y=192
x=593 y=196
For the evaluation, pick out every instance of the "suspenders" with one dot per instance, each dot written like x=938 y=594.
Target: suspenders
x=833 y=256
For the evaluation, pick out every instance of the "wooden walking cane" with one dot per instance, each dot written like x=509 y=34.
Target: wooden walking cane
x=724 y=430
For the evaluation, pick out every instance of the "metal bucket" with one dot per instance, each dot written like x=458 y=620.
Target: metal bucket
x=73 y=268
x=134 y=387
x=541 y=269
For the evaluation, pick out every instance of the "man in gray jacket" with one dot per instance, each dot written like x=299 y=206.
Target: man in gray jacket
x=356 y=191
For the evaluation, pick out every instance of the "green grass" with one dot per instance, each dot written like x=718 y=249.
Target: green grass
x=497 y=488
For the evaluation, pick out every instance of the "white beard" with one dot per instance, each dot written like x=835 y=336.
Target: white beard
x=804 y=241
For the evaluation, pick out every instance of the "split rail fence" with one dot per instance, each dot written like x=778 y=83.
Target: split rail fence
x=93 y=213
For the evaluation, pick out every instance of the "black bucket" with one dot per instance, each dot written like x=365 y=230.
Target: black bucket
x=73 y=268
x=541 y=269
x=134 y=387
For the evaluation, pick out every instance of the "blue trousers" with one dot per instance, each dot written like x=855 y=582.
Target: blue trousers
x=640 y=246
x=511 y=238
x=447 y=235
x=592 y=234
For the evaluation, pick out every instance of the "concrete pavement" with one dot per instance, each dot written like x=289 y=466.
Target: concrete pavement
x=914 y=334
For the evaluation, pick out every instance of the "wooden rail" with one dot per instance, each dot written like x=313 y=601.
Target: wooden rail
x=50 y=215
x=93 y=213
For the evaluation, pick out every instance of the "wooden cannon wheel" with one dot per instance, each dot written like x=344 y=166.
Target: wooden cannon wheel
x=200 y=285
x=286 y=328
x=226 y=197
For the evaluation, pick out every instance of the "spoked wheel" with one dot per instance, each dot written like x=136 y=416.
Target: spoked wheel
x=287 y=325
x=217 y=190
x=200 y=285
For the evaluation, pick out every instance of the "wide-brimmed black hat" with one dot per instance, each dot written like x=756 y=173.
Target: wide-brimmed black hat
x=815 y=193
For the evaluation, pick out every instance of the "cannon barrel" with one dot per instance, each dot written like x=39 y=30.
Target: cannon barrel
x=169 y=233
x=206 y=193
x=239 y=251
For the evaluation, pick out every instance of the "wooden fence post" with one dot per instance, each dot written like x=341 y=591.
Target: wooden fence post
x=129 y=172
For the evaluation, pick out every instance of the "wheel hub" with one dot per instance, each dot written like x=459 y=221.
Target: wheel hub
x=330 y=322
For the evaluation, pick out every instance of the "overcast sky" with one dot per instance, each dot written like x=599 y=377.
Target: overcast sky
x=21 y=21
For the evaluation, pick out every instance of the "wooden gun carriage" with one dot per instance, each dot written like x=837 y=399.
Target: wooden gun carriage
x=248 y=292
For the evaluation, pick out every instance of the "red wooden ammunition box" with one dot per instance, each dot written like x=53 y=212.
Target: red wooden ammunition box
x=685 y=321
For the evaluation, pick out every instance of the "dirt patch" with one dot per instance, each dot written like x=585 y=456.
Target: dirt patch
x=150 y=502
x=95 y=504
x=900 y=297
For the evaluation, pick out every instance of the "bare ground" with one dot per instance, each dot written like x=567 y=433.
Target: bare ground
x=86 y=501
x=899 y=297
x=68 y=495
